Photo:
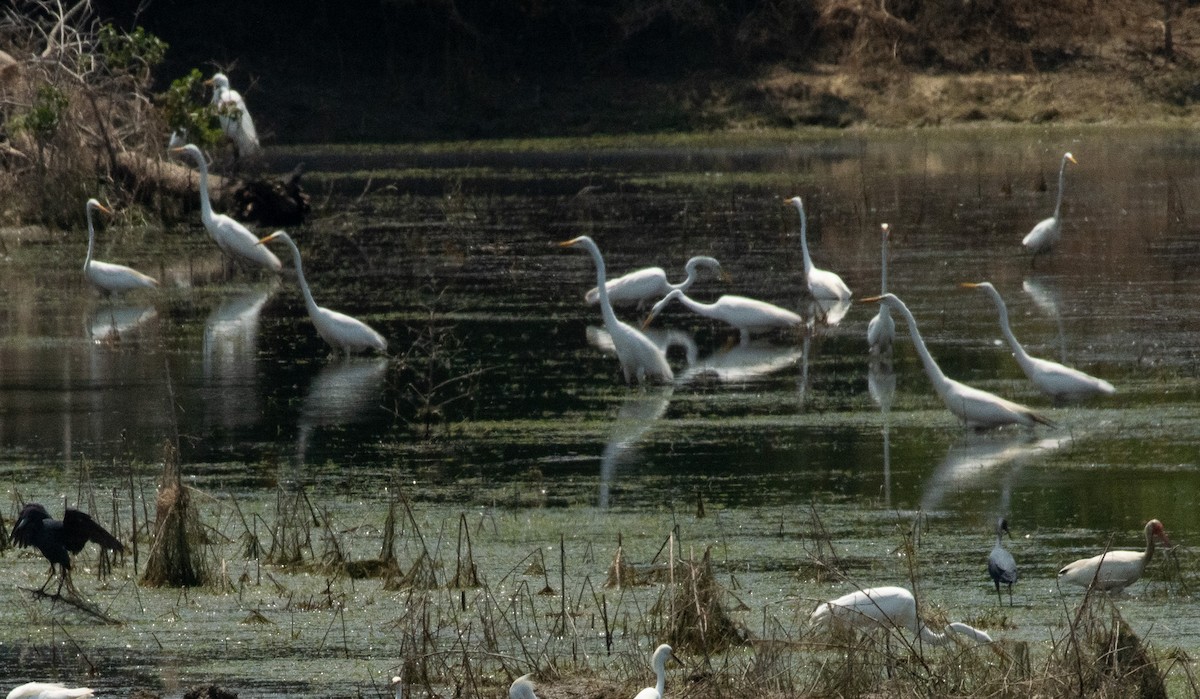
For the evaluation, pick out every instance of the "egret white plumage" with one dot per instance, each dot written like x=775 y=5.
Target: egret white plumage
x=822 y=284
x=1062 y=383
x=643 y=285
x=881 y=331
x=640 y=359
x=522 y=688
x=745 y=314
x=108 y=277
x=232 y=237
x=233 y=115
x=1113 y=571
x=659 y=662
x=887 y=608
x=1001 y=564
x=341 y=331
x=1048 y=231
x=975 y=407
x=48 y=690
x=397 y=684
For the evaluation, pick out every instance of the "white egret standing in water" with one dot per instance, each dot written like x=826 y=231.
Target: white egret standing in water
x=881 y=331
x=232 y=237
x=643 y=285
x=1113 y=571
x=975 y=407
x=234 y=117
x=887 y=608
x=659 y=661
x=1001 y=565
x=640 y=359
x=747 y=315
x=1062 y=383
x=822 y=284
x=338 y=329
x=1047 y=232
x=110 y=278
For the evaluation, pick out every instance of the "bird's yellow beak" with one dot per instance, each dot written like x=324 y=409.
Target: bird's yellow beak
x=208 y=82
x=1072 y=158
x=725 y=276
x=969 y=285
x=104 y=208
x=268 y=238
x=646 y=323
x=871 y=299
x=568 y=243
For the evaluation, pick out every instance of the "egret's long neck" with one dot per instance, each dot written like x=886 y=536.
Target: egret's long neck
x=1002 y=308
x=91 y=239
x=691 y=270
x=661 y=684
x=883 y=280
x=206 y=210
x=704 y=309
x=1062 y=179
x=931 y=368
x=933 y=638
x=308 y=297
x=606 y=310
x=808 y=265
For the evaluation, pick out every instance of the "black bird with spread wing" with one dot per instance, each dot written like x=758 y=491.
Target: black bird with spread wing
x=57 y=540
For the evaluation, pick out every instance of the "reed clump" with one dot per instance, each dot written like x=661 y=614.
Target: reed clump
x=177 y=558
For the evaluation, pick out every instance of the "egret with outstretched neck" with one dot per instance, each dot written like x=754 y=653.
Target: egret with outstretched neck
x=1062 y=383
x=822 y=284
x=643 y=285
x=975 y=407
x=887 y=608
x=1113 y=571
x=745 y=314
x=1002 y=567
x=881 y=331
x=108 y=277
x=341 y=331
x=1048 y=231
x=639 y=357
x=659 y=662
x=232 y=237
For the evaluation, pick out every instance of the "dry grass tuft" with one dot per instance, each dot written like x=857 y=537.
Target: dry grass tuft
x=177 y=558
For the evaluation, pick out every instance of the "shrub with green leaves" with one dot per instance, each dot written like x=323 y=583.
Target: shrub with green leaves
x=185 y=108
x=135 y=53
x=44 y=115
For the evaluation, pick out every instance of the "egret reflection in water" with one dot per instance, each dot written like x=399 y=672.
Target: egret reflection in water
x=974 y=459
x=344 y=392
x=230 y=355
x=636 y=417
x=743 y=363
x=115 y=323
x=881 y=384
x=1046 y=296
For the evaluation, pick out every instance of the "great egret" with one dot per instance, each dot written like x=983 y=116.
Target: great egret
x=1113 y=571
x=747 y=315
x=57 y=540
x=398 y=686
x=1047 y=232
x=1062 y=383
x=640 y=358
x=822 y=284
x=1001 y=564
x=976 y=408
x=887 y=608
x=659 y=661
x=232 y=237
x=107 y=277
x=640 y=286
x=233 y=115
x=881 y=331
x=338 y=329
x=522 y=688
x=48 y=690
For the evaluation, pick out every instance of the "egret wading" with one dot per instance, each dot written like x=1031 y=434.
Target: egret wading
x=887 y=608
x=1047 y=232
x=105 y=276
x=747 y=315
x=881 y=331
x=645 y=285
x=822 y=284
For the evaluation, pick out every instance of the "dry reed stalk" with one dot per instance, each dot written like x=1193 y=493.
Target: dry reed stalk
x=177 y=557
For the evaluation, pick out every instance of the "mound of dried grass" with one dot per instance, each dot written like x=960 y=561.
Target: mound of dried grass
x=177 y=558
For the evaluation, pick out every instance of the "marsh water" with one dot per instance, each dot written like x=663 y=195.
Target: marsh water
x=499 y=407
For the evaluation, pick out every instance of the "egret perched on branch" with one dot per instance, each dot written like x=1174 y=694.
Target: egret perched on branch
x=232 y=237
x=234 y=117
x=976 y=408
x=640 y=358
x=1001 y=564
x=747 y=315
x=107 y=277
x=822 y=284
x=338 y=329
x=659 y=661
x=1062 y=383
x=887 y=608
x=1047 y=232
x=1113 y=571
x=643 y=285
x=881 y=331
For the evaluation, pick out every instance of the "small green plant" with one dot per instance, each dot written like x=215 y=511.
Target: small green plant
x=136 y=53
x=186 y=110
x=44 y=115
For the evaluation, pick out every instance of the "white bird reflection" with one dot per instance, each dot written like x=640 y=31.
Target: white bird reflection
x=229 y=358
x=342 y=393
x=1046 y=296
x=116 y=323
x=743 y=363
x=828 y=312
x=976 y=456
x=881 y=384
x=636 y=417
x=663 y=338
